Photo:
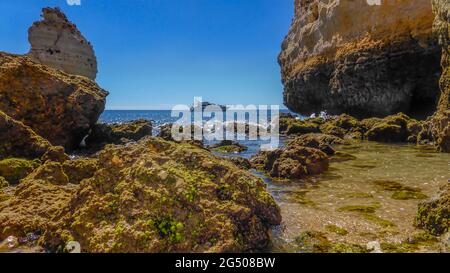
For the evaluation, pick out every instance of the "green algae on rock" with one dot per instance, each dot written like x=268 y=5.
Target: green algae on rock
x=148 y=181
x=60 y=107
x=3 y=182
x=102 y=134
x=79 y=169
x=440 y=122
x=15 y=169
x=291 y=162
x=19 y=140
x=434 y=215
x=150 y=196
x=318 y=141
x=227 y=147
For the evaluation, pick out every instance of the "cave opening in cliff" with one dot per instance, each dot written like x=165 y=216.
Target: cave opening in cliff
x=422 y=107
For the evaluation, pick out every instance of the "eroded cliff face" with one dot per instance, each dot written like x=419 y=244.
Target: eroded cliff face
x=57 y=42
x=441 y=120
x=366 y=60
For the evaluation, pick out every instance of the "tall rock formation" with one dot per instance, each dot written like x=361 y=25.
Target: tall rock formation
x=362 y=59
x=57 y=42
x=441 y=120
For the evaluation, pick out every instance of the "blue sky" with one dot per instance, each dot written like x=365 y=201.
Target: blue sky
x=156 y=53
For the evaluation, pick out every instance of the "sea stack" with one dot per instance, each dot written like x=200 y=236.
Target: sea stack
x=361 y=58
x=57 y=42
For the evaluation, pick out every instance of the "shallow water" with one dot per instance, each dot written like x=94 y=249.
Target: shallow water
x=315 y=203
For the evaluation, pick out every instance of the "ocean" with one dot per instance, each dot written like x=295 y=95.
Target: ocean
x=161 y=117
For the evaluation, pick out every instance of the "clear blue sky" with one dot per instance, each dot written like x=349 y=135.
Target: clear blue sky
x=157 y=53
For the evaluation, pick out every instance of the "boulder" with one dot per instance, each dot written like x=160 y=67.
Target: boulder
x=103 y=133
x=395 y=128
x=291 y=162
x=19 y=140
x=228 y=146
x=318 y=141
x=149 y=196
x=61 y=108
x=434 y=215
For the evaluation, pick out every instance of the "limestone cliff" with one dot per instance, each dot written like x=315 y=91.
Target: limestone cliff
x=441 y=120
x=362 y=59
x=57 y=42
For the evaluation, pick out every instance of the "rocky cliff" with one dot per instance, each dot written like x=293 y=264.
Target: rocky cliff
x=441 y=120
x=57 y=42
x=362 y=59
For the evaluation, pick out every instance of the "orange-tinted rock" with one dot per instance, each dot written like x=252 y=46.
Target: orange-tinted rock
x=59 y=107
x=364 y=60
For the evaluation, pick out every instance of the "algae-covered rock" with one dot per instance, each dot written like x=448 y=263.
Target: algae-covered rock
x=440 y=123
x=342 y=126
x=56 y=153
x=3 y=182
x=38 y=204
x=59 y=107
x=150 y=196
x=292 y=161
x=241 y=162
x=15 y=169
x=395 y=128
x=228 y=146
x=321 y=142
x=19 y=140
x=102 y=133
x=434 y=215
x=79 y=169
x=159 y=196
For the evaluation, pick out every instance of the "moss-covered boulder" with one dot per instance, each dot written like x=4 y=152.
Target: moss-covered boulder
x=393 y=128
x=19 y=140
x=79 y=169
x=291 y=162
x=228 y=146
x=149 y=196
x=321 y=142
x=3 y=182
x=158 y=196
x=434 y=215
x=342 y=126
x=37 y=205
x=103 y=134
x=60 y=107
x=55 y=153
x=15 y=169
x=241 y=162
